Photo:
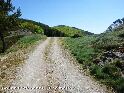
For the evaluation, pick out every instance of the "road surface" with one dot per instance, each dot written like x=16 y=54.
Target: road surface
x=51 y=69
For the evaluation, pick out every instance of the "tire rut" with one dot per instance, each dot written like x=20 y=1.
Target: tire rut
x=52 y=84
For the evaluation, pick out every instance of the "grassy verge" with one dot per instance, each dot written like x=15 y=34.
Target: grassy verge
x=15 y=56
x=81 y=48
x=25 y=42
x=85 y=52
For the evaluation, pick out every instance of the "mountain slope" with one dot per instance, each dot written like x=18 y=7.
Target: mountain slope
x=71 y=31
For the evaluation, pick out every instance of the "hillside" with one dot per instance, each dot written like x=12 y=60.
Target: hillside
x=116 y=25
x=60 y=30
x=102 y=55
x=28 y=27
x=112 y=38
x=71 y=31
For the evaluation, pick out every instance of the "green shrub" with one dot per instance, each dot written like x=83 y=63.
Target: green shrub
x=25 y=42
x=110 y=40
x=32 y=27
x=119 y=85
x=97 y=72
x=118 y=63
x=10 y=40
x=112 y=71
x=69 y=31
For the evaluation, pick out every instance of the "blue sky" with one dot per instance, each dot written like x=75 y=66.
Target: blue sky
x=92 y=15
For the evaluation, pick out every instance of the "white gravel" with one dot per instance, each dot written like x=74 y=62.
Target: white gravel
x=50 y=69
x=32 y=75
x=67 y=76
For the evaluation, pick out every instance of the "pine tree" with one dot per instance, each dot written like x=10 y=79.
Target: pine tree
x=8 y=19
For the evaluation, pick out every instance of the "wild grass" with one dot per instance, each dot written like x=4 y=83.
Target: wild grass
x=88 y=48
x=26 y=42
x=81 y=48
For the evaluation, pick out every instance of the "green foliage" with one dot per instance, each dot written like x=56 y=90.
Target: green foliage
x=112 y=71
x=88 y=48
x=116 y=25
x=97 y=72
x=29 y=39
x=69 y=31
x=25 y=42
x=57 y=31
x=43 y=26
x=81 y=48
x=31 y=27
x=110 y=40
x=118 y=63
x=38 y=29
x=8 y=19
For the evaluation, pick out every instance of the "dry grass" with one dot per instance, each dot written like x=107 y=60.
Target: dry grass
x=11 y=60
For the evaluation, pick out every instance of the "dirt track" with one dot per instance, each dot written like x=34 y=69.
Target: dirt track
x=50 y=69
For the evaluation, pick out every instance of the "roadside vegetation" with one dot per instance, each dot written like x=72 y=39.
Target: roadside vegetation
x=102 y=55
x=26 y=42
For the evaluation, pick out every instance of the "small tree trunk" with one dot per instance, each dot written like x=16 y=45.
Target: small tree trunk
x=3 y=42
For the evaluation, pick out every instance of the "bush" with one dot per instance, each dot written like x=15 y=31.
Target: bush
x=119 y=85
x=97 y=72
x=10 y=40
x=32 y=27
x=25 y=42
x=76 y=36
x=69 y=31
x=112 y=71
x=119 y=64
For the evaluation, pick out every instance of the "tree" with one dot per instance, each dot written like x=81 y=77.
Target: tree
x=122 y=20
x=117 y=23
x=32 y=27
x=8 y=19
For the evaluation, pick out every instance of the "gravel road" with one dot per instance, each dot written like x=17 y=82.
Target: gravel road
x=50 y=69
